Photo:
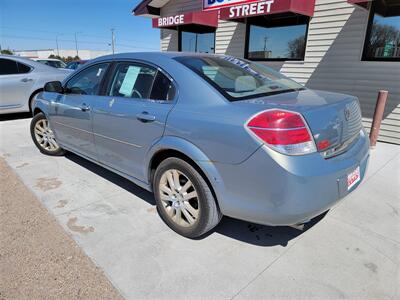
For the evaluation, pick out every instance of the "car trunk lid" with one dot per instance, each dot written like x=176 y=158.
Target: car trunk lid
x=333 y=119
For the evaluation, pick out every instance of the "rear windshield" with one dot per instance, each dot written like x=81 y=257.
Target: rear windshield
x=239 y=79
x=53 y=63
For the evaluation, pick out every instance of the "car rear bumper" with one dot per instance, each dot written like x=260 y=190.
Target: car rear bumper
x=275 y=189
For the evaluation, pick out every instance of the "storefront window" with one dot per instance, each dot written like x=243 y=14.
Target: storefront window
x=197 y=42
x=277 y=43
x=383 y=38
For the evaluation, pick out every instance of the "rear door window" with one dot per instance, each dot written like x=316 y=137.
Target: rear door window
x=22 y=69
x=163 y=88
x=8 y=67
x=132 y=80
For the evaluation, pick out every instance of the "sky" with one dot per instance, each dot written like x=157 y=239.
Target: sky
x=35 y=24
x=392 y=21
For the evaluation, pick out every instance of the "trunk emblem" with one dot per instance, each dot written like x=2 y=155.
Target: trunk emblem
x=347 y=113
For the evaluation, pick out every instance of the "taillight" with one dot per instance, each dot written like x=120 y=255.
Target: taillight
x=283 y=131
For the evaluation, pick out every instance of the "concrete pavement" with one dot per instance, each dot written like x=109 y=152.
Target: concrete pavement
x=353 y=252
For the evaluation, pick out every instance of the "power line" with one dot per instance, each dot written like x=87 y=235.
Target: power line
x=73 y=41
x=48 y=39
x=69 y=33
x=31 y=30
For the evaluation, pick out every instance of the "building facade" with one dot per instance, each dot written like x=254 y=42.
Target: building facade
x=45 y=53
x=346 y=46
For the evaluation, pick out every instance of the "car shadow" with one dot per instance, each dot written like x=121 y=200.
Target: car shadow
x=112 y=177
x=259 y=235
x=15 y=116
x=262 y=235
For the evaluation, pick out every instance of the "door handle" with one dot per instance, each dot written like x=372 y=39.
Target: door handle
x=26 y=79
x=145 y=117
x=84 y=107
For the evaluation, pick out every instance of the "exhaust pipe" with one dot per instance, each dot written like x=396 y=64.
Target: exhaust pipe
x=298 y=226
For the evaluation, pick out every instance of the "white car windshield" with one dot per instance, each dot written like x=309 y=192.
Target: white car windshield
x=239 y=79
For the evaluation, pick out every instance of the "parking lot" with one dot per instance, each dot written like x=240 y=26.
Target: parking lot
x=352 y=252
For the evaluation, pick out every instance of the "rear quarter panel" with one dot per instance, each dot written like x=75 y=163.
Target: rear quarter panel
x=209 y=121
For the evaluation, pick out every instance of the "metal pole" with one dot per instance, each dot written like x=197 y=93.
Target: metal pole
x=76 y=45
x=378 y=115
x=113 y=40
x=58 y=50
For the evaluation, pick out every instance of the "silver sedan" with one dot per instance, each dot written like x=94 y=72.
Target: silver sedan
x=21 y=79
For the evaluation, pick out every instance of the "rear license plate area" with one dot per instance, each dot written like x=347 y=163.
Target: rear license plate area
x=353 y=178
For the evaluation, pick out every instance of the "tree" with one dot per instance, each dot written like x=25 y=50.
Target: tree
x=64 y=59
x=381 y=36
x=296 y=47
x=69 y=59
x=7 y=51
x=56 y=57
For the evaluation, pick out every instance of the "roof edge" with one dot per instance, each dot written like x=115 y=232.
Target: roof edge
x=145 y=8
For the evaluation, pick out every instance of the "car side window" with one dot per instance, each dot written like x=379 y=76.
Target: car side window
x=132 y=80
x=8 y=67
x=23 y=69
x=163 y=89
x=72 y=65
x=88 y=81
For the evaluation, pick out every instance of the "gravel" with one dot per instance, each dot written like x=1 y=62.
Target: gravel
x=38 y=260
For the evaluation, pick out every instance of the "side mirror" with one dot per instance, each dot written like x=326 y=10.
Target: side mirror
x=54 y=87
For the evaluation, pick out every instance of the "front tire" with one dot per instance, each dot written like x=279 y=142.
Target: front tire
x=43 y=136
x=184 y=199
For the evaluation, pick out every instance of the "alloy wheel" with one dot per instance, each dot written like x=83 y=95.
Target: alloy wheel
x=179 y=198
x=45 y=136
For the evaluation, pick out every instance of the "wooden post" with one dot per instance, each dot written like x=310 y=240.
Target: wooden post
x=378 y=115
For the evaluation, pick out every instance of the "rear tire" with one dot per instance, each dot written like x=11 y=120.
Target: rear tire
x=184 y=199
x=43 y=136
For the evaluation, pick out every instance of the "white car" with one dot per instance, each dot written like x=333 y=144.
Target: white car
x=21 y=80
x=52 y=62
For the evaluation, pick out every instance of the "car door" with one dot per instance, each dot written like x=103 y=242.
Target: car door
x=72 y=116
x=15 y=83
x=132 y=117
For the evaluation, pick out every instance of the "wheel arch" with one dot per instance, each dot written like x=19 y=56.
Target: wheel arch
x=176 y=147
x=34 y=93
x=36 y=111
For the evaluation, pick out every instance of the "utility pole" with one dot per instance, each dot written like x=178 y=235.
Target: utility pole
x=265 y=47
x=76 y=45
x=113 y=40
x=58 y=50
x=265 y=43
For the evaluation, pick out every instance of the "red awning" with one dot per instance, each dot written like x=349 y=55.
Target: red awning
x=301 y=7
x=203 y=18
